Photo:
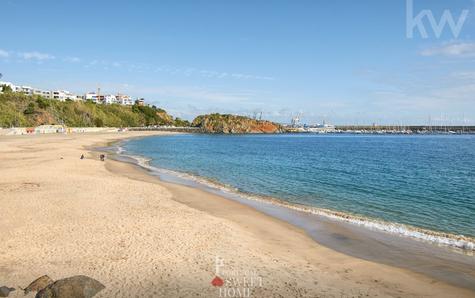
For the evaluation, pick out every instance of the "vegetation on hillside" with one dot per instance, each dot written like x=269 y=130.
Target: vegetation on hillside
x=226 y=123
x=21 y=110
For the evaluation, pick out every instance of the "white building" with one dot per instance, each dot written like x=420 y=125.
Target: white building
x=124 y=100
x=25 y=90
x=91 y=96
x=109 y=99
x=140 y=101
x=59 y=95
x=75 y=97
x=48 y=94
x=44 y=93
x=63 y=95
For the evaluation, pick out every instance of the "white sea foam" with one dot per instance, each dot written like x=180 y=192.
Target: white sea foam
x=458 y=241
x=119 y=150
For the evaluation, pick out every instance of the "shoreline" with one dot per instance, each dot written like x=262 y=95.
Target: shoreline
x=458 y=243
x=141 y=236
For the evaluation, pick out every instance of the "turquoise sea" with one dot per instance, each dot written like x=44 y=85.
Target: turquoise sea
x=422 y=186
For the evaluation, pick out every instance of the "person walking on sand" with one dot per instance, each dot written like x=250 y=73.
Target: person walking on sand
x=103 y=157
x=82 y=156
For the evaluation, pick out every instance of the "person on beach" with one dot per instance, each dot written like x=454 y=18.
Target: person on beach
x=103 y=157
x=82 y=156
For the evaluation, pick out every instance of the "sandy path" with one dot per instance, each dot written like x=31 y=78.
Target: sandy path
x=64 y=216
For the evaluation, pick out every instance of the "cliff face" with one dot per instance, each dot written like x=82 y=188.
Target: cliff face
x=217 y=123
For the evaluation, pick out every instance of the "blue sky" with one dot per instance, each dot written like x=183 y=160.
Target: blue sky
x=342 y=61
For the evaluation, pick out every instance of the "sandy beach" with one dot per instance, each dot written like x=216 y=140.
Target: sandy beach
x=142 y=237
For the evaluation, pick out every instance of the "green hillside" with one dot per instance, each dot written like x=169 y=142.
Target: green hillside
x=27 y=111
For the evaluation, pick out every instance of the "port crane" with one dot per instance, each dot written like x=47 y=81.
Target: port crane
x=296 y=120
x=255 y=115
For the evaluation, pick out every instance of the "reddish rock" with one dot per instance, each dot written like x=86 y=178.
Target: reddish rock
x=218 y=123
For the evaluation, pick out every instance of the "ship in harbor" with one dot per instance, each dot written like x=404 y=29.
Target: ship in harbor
x=320 y=128
x=296 y=126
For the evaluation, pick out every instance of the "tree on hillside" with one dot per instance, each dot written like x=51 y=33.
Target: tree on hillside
x=30 y=109
x=181 y=123
x=6 y=88
x=43 y=103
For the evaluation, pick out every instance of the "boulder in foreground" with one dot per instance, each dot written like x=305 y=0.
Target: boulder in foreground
x=78 y=286
x=5 y=291
x=38 y=284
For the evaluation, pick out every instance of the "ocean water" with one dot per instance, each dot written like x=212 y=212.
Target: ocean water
x=422 y=186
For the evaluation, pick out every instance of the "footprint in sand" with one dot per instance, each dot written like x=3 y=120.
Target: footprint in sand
x=15 y=187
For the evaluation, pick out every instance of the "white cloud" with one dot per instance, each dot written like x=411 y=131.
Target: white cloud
x=92 y=63
x=72 y=59
x=211 y=73
x=457 y=50
x=4 y=54
x=463 y=75
x=36 y=56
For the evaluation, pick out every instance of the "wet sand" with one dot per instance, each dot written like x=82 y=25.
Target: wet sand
x=139 y=236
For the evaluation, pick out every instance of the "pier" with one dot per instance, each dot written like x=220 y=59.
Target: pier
x=419 y=129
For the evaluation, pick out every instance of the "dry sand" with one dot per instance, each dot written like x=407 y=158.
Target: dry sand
x=140 y=237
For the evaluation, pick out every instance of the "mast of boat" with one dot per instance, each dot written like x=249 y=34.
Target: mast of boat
x=430 y=123
x=445 y=122
x=463 y=123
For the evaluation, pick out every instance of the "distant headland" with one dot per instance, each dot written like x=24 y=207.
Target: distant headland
x=26 y=107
